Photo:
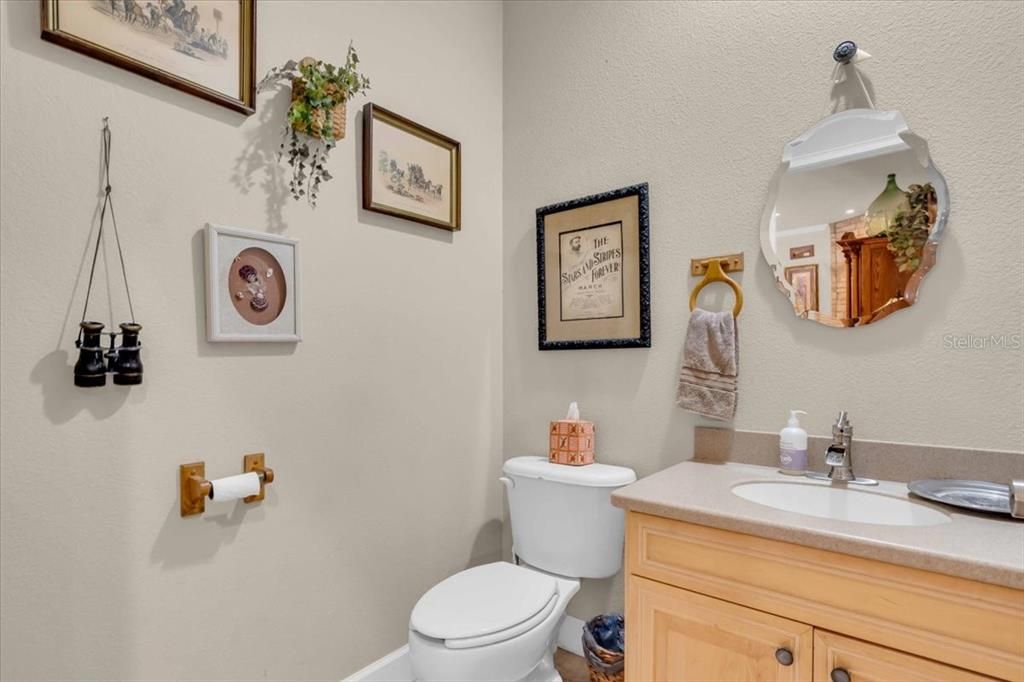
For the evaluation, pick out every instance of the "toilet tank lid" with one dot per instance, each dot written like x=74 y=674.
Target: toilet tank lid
x=591 y=475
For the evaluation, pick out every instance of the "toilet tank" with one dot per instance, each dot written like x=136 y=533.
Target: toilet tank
x=562 y=517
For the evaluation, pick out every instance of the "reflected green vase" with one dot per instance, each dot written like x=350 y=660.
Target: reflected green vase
x=885 y=207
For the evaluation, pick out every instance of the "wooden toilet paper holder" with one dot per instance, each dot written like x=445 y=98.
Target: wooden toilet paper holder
x=194 y=488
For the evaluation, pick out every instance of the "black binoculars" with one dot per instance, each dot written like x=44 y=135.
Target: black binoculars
x=94 y=362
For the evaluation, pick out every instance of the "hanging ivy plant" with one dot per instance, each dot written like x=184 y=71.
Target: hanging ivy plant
x=909 y=230
x=316 y=116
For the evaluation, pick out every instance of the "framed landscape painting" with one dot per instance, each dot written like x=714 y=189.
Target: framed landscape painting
x=203 y=47
x=593 y=271
x=806 y=251
x=410 y=171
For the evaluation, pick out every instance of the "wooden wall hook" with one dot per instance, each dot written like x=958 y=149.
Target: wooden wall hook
x=732 y=262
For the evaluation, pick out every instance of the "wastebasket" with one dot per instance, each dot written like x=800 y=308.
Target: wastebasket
x=604 y=647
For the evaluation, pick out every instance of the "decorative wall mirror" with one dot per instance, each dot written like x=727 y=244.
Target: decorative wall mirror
x=853 y=217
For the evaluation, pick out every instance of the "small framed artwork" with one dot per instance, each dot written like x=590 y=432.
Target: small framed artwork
x=410 y=171
x=806 y=251
x=252 y=286
x=206 y=48
x=594 y=273
x=804 y=281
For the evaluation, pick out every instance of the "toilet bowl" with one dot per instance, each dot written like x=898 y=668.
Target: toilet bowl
x=499 y=622
x=494 y=622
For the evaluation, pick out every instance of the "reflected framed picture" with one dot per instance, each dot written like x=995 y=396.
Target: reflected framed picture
x=410 y=171
x=252 y=286
x=804 y=280
x=594 y=273
x=206 y=48
x=806 y=251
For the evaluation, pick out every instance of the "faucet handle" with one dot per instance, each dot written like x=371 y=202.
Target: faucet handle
x=842 y=425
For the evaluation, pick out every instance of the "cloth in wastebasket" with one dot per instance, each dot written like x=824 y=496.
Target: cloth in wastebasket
x=609 y=631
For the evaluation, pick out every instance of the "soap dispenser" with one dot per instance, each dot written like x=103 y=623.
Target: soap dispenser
x=793 y=446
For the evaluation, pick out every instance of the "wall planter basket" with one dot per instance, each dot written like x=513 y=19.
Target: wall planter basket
x=334 y=117
x=316 y=116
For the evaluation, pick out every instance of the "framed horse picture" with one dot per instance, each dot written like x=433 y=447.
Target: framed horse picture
x=206 y=48
x=410 y=171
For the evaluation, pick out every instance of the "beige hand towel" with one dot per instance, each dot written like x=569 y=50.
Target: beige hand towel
x=707 y=382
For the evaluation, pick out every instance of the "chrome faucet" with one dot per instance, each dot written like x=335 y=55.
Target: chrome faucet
x=839 y=455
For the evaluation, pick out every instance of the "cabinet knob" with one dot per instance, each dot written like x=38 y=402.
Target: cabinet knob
x=840 y=675
x=785 y=657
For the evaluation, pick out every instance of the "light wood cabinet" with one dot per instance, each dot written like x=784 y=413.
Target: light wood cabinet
x=846 y=658
x=706 y=605
x=687 y=636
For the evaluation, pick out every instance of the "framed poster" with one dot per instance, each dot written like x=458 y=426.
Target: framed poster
x=593 y=271
x=410 y=171
x=804 y=280
x=806 y=251
x=252 y=286
x=206 y=48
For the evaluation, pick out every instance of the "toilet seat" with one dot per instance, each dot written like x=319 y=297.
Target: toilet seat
x=484 y=605
x=507 y=633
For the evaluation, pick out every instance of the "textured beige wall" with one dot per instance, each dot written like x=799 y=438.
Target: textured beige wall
x=383 y=425
x=698 y=98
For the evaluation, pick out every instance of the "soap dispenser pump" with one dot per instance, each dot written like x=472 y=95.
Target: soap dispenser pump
x=793 y=446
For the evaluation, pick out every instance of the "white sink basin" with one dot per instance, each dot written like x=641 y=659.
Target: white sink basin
x=843 y=504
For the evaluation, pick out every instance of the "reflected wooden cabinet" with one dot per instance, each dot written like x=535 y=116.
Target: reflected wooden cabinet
x=874 y=286
x=708 y=605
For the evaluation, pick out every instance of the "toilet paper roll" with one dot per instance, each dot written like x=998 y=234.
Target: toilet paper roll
x=235 y=487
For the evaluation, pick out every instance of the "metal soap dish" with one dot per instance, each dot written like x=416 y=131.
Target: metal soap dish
x=981 y=496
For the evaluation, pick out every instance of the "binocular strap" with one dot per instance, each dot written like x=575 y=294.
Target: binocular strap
x=108 y=203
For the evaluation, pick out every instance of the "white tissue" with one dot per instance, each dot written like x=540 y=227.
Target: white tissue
x=574 y=412
x=235 y=487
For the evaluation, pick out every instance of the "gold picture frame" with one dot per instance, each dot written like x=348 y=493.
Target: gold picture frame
x=410 y=171
x=130 y=22
x=803 y=279
x=805 y=251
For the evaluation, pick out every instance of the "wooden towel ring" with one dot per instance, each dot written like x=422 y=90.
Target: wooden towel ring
x=716 y=274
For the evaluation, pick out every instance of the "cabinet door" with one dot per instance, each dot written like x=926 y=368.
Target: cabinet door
x=678 y=636
x=838 y=659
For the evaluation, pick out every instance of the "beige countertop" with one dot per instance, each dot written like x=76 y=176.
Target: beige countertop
x=989 y=548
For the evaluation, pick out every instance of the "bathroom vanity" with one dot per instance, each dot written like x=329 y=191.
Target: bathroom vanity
x=719 y=587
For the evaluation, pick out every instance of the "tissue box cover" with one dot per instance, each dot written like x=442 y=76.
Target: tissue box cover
x=571 y=442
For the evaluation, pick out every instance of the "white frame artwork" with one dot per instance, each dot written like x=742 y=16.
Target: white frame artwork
x=287 y=326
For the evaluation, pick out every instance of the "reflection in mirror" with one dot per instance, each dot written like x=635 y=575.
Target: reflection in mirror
x=853 y=217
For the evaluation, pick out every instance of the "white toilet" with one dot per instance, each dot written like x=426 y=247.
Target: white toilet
x=499 y=622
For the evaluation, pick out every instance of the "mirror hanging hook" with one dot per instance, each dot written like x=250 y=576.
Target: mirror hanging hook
x=847 y=54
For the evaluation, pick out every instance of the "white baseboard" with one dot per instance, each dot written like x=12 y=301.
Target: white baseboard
x=394 y=667
x=570 y=635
